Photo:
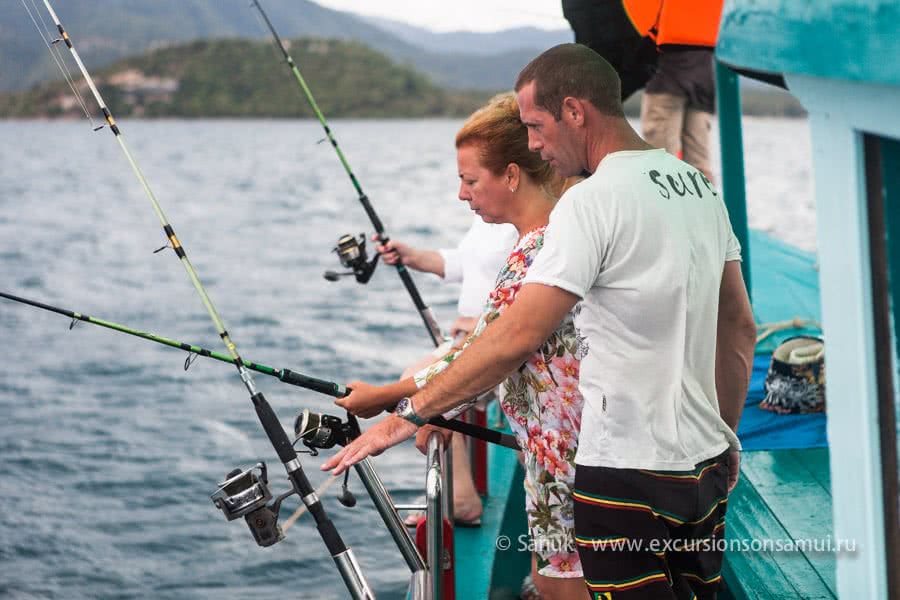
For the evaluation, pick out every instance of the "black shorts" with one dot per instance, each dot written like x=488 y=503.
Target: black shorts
x=687 y=72
x=652 y=534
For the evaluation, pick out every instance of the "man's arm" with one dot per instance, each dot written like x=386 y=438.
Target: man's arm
x=735 y=345
x=501 y=349
x=503 y=346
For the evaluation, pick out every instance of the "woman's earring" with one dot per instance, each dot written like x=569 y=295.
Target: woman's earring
x=512 y=189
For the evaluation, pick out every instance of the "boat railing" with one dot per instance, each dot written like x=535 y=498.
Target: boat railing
x=427 y=580
x=388 y=511
x=437 y=507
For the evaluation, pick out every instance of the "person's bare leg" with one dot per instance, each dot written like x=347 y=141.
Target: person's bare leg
x=466 y=501
x=695 y=140
x=467 y=504
x=558 y=588
x=662 y=121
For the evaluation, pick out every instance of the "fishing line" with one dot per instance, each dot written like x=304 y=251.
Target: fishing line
x=302 y=508
x=427 y=317
x=285 y=375
x=322 y=386
x=60 y=61
x=348 y=247
x=261 y=518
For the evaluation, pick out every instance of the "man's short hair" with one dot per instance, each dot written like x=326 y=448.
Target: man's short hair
x=572 y=70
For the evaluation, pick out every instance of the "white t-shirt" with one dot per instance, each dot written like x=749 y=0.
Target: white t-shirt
x=476 y=261
x=643 y=242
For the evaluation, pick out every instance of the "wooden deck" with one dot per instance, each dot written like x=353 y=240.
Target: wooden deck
x=483 y=571
x=783 y=497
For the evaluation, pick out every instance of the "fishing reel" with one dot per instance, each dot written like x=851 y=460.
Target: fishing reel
x=352 y=254
x=246 y=494
x=320 y=432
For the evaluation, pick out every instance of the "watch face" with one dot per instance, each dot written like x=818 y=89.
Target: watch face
x=402 y=406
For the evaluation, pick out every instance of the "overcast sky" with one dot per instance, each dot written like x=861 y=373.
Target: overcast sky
x=466 y=15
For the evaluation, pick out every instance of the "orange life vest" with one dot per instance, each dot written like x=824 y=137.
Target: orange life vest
x=690 y=22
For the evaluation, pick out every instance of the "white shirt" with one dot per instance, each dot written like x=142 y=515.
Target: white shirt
x=476 y=261
x=643 y=242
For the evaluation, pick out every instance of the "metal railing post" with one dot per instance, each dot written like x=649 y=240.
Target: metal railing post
x=385 y=507
x=434 y=514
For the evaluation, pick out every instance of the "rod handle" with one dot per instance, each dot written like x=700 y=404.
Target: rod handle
x=329 y=388
x=273 y=428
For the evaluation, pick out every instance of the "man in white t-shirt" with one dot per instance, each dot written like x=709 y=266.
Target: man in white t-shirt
x=645 y=249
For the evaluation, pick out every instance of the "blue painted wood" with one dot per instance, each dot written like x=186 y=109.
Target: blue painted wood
x=839 y=113
x=786 y=286
x=481 y=570
x=783 y=497
x=857 y=40
x=728 y=101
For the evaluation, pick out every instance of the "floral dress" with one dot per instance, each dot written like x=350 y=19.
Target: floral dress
x=543 y=404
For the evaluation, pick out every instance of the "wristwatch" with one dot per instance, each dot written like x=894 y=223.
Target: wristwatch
x=404 y=410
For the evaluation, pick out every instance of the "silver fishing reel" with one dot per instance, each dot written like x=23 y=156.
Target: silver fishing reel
x=246 y=494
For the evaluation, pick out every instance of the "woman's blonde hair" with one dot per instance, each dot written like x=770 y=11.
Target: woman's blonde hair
x=503 y=139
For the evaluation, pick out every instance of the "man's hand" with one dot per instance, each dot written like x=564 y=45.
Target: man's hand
x=734 y=469
x=365 y=400
x=389 y=432
x=425 y=432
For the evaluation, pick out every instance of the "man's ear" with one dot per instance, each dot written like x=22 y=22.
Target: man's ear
x=573 y=111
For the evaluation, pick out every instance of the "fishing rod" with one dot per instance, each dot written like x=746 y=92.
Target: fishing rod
x=256 y=512
x=352 y=251
x=329 y=388
x=286 y=375
x=347 y=245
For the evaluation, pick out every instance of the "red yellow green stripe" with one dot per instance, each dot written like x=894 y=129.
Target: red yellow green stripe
x=707 y=580
x=670 y=476
x=598 y=542
x=626 y=504
x=626 y=584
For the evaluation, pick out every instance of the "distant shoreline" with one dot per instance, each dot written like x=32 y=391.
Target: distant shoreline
x=69 y=119
x=237 y=79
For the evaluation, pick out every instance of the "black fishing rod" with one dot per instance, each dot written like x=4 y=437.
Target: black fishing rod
x=427 y=317
x=352 y=251
x=342 y=555
x=329 y=388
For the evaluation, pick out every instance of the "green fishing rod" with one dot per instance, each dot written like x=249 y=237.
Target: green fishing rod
x=342 y=555
x=427 y=317
x=329 y=388
x=286 y=375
